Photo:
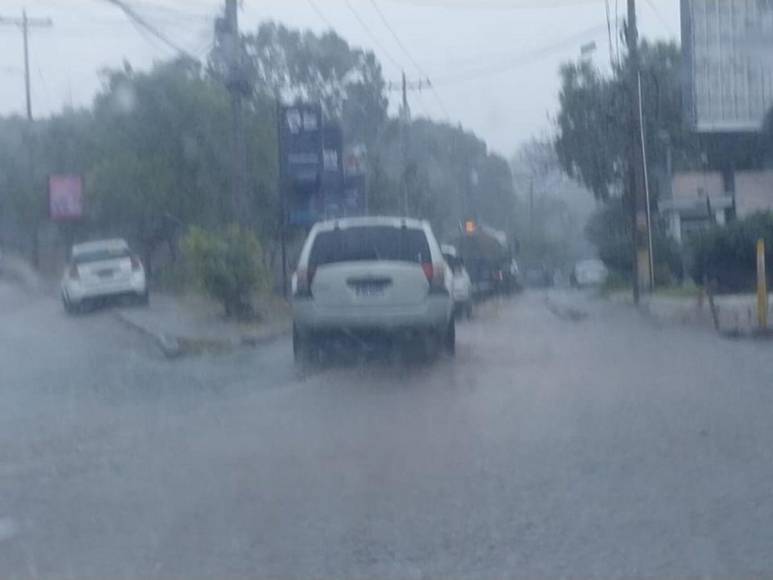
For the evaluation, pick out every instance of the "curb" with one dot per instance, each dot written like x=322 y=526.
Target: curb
x=566 y=313
x=18 y=271
x=169 y=346
x=173 y=347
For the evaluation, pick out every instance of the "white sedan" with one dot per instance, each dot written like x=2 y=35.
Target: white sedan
x=102 y=269
x=589 y=273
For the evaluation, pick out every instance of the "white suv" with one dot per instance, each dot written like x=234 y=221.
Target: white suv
x=367 y=275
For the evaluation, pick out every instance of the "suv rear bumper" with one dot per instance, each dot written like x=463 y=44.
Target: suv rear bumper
x=432 y=314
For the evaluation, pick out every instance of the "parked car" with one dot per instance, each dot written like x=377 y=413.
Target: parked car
x=539 y=276
x=589 y=273
x=102 y=269
x=461 y=285
x=371 y=275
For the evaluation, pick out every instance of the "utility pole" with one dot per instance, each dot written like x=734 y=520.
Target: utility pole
x=24 y=24
x=531 y=216
x=238 y=87
x=642 y=275
x=405 y=121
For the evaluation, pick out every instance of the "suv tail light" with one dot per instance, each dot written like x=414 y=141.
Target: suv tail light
x=303 y=279
x=73 y=273
x=136 y=264
x=436 y=276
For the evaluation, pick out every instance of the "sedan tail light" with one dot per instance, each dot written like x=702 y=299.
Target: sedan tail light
x=136 y=264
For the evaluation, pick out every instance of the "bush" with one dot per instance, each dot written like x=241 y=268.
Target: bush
x=727 y=256
x=228 y=266
x=609 y=229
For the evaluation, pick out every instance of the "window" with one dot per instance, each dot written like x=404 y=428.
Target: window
x=101 y=254
x=370 y=244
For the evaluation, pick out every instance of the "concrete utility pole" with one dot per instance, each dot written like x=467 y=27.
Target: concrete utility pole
x=24 y=24
x=405 y=121
x=642 y=275
x=238 y=87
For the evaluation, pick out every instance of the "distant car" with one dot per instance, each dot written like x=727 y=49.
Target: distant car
x=102 y=269
x=508 y=278
x=461 y=285
x=589 y=273
x=538 y=277
x=372 y=275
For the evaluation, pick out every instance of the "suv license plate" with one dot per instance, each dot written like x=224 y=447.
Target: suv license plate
x=369 y=290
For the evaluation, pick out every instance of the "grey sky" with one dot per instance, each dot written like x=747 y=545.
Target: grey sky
x=494 y=62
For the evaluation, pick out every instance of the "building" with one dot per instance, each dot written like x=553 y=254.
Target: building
x=701 y=199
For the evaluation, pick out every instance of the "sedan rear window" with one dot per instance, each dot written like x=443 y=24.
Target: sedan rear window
x=370 y=244
x=101 y=254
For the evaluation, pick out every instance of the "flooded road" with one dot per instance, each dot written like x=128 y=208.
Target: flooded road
x=570 y=436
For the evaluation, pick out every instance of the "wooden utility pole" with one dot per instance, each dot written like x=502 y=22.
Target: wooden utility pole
x=637 y=181
x=238 y=87
x=24 y=24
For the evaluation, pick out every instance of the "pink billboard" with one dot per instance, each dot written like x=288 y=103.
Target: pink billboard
x=65 y=197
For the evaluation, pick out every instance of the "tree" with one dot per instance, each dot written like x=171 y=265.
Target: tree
x=609 y=229
x=163 y=155
x=294 y=65
x=594 y=120
x=552 y=207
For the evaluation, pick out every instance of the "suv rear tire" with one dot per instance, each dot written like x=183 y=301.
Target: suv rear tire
x=449 y=341
x=304 y=348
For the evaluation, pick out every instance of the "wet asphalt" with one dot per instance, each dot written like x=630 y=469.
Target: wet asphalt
x=569 y=437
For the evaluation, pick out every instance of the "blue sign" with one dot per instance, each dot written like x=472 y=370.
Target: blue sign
x=300 y=160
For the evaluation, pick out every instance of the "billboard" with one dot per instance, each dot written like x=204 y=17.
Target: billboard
x=301 y=160
x=65 y=197
x=728 y=63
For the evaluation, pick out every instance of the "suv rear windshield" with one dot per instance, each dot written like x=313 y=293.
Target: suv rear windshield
x=100 y=255
x=371 y=243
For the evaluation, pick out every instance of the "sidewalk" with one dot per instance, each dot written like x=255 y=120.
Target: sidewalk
x=736 y=313
x=19 y=271
x=193 y=324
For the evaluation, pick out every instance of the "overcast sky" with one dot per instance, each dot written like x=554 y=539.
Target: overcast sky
x=493 y=62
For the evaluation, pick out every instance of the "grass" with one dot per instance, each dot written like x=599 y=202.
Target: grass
x=615 y=283
x=681 y=291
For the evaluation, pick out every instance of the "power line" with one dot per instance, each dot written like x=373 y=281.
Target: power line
x=139 y=20
x=321 y=14
x=660 y=17
x=396 y=37
x=479 y=5
x=522 y=59
x=408 y=54
x=373 y=37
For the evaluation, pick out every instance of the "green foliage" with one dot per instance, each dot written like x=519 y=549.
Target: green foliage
x=228 y=266
x=155 y=147
x=291 y=64
x=438 y=177
x=594 y=120
x=164 y=150
x=727 y=256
